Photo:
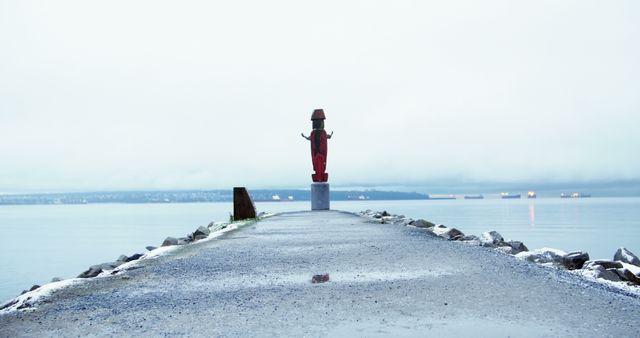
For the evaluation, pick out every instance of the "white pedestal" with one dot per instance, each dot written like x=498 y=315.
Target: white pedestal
x=320 y=196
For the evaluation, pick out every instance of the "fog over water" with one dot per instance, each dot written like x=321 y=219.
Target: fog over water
x=197 y=94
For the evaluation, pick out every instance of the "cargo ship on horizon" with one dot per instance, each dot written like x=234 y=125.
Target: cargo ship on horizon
x=441 y=197
x=574 y=195
x=506 y=195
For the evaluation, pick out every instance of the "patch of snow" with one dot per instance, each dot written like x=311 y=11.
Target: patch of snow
x=25 y=300
x=634 y=269
x=589 y=274
x=544 y=255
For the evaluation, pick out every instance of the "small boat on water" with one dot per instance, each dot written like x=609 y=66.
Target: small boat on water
x=579 y=195
x=473 y=197
x=506 y=195
x=532 y=194
x=441 y=197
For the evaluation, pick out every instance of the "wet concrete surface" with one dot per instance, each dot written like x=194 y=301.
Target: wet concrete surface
x=384 y=280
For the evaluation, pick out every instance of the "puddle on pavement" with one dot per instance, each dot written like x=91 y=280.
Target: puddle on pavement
x=275 y=279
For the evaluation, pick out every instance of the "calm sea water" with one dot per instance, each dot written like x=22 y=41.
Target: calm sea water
x=45 y=241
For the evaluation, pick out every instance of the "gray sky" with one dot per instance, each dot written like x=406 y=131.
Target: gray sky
x=197 y=94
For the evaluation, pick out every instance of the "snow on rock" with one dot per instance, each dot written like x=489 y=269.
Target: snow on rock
x=472 y=240
x=510 y=247
x=602 y=269
x=27 y=299
x=607 y=264
x=170 y=241
x=133 y=257
x=381 y=214
x=598 y=272
x=517 y=247
x=451 y=234
x=626 y=256
x=614 y=271
x=392 y=219
x=630 y=273
x=97 y=269
x=543 y=256
x=383 y=217
x=631 y=267
x=201 y=231
x=491 y=239
x=505 y=249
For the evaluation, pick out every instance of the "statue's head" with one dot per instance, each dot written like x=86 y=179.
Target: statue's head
x=318 y=114
x=318 y=119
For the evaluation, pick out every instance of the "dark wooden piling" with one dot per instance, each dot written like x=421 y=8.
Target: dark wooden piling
x=243 y=206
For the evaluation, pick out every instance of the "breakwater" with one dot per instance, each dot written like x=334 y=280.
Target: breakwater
x=376 y=276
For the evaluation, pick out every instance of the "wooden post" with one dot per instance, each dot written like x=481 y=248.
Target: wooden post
x=243 y=207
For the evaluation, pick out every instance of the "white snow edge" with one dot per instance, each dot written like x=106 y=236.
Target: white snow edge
x=28 y=299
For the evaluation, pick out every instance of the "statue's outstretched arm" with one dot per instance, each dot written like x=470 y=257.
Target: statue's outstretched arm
x=308 y=139
x=329 y=136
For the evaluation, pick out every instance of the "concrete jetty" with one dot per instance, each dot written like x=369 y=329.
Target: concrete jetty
x=383 y=280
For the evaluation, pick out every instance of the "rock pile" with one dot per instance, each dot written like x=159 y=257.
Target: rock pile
x=625 y=266
x=547 y=256
x=440 y=230
x=490 y=239
x=618 y=269
x=200 y=233
x=97 y=269
x=386 y=218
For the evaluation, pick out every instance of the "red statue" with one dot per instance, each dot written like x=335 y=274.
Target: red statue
x=318 y=140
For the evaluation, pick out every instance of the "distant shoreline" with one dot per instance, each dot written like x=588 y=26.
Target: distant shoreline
x=197 y=196
x=258 y=195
